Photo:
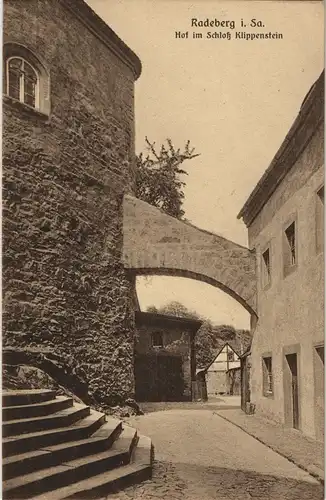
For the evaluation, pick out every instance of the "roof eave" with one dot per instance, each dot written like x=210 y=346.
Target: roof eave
x=99 y=28
x=142 y=318
x=310 y=115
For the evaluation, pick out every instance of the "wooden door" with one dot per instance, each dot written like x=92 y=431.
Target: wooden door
x=170 y=378
x=319 y=393
x=146 y=378
x=158 y=377
x=293 y=365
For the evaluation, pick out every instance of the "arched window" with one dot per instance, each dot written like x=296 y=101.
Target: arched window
x=26 y=79
x=22 y=81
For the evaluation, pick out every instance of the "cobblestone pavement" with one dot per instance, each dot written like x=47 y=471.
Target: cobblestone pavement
x=200 y=456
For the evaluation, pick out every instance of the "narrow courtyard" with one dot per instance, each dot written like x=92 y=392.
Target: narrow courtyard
x=198 y=455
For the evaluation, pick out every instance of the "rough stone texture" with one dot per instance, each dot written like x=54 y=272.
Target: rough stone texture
x=20 y=377
x=62 y=369
x=64 y=177
x=155 y=243
x=201 y=456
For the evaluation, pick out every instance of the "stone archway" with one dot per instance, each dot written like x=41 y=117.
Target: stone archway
x=155 y=243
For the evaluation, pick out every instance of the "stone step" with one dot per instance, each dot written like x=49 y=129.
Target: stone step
x=110 y=481
x=64 y=474
x=127 y=440
x=26 y=397
x=82 y=429
x=101 y=484
x=36 y=409
x=50 y=456
x=62 y=418
x=143 y=453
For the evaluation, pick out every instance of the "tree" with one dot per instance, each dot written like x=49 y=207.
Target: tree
x=158 y=176
x=175 y=308
x=152 y=309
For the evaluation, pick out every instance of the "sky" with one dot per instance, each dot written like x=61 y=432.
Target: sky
x=235 y=100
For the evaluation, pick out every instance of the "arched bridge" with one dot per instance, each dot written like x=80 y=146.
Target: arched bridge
x=155 y=243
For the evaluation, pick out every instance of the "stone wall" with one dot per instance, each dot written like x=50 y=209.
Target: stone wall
x=155 y=243
x=64 y=177
x=175 y=342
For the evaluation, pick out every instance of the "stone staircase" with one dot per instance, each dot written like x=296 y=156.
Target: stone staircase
x=54 y=448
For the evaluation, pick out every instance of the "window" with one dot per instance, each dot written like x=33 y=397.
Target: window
x=320 y=194
x=320 y=352
x=290 y=257
x=320 y=220
x=290 y=235
x=230 y=356
x=267 y=376
x=266 y=268
x=22 y=81
x=157 y=339
x=25 y=78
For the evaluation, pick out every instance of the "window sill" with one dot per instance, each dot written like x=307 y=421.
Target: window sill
x=269 y=395
x=289 y=270
x=25 y=108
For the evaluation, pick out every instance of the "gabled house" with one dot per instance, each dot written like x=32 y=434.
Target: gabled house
x=216 y=374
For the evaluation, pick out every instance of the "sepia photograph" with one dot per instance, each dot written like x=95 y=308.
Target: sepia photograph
x=163 y=250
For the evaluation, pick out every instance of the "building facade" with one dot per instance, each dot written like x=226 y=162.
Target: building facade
x=165 y=361
x=218 y=380
x=233 y=381
x=68 y=159
x=285 y=220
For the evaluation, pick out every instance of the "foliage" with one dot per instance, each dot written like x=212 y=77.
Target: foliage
x=175 y=308
x=158 y=176
x=152 y=309
x=210 y=338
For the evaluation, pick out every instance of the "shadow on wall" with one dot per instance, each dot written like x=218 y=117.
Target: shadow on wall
x=60 y=371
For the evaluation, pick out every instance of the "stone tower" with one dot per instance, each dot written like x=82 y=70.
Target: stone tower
x=68 y=142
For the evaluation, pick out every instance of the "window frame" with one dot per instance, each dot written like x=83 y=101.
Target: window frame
x=319 y=220
x=288 y=267
x=159 y=345
x=22 y=82
x=232 y=354
x=266 y=283
x=267 y=376
x=42 y=94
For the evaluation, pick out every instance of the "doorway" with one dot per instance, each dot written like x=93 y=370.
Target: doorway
x=318 y=360
x=158 y=377
x=291 y=391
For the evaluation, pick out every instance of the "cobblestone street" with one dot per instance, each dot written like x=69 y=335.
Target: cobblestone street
x=201 y=456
